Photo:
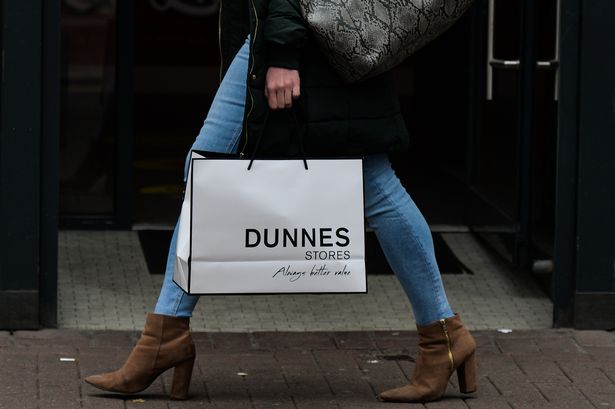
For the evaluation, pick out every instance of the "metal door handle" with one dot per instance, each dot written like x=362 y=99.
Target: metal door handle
x=493 y=62
x=554 y=63
x=557 y=45
x=547 y=65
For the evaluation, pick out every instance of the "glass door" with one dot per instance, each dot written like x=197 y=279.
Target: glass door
x=512 y=153
x=88 y=123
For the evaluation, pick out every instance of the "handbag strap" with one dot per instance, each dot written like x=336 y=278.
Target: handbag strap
x=297 y=128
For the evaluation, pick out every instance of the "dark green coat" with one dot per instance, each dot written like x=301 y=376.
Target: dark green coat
x=339 y=119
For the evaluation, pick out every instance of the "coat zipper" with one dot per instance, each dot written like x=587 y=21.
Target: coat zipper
x=250 y=76
x=448 y=342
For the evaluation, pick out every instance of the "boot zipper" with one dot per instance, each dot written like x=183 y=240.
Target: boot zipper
x=448 y=342
x=250 y=76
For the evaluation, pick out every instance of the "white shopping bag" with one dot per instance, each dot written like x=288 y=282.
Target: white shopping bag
x=276 y=228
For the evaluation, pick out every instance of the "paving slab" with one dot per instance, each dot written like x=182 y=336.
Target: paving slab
x=325 y=369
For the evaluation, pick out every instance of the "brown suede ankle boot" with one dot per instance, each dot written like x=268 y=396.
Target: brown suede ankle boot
x=444 y=346
x=164 y=343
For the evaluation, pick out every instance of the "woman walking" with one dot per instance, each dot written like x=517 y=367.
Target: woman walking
x=271 y=64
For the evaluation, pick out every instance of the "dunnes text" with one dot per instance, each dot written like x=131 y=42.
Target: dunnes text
x=315 y=238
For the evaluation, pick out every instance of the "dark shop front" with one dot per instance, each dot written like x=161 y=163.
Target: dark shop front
x=511 y=115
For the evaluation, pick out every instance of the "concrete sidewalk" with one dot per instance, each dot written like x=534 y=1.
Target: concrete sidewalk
x=311 y=370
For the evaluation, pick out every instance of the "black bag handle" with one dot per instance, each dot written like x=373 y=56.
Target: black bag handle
x=298 y=130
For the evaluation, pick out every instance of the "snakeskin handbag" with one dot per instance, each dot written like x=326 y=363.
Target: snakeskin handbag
x=363 y=38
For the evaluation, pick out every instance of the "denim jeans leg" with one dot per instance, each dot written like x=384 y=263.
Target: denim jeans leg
x=405 y=239
x=220 y=133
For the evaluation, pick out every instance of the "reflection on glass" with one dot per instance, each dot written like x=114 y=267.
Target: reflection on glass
x=88 y=108
x=177 y=65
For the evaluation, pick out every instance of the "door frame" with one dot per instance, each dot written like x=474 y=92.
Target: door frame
x=29 y=152
x=584 y=279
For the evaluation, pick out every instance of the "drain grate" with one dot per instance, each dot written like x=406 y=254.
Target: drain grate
x=396 y=357
x=448 y=262
x=155 y=246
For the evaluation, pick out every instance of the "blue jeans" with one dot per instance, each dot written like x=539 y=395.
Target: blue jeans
x=400 y=227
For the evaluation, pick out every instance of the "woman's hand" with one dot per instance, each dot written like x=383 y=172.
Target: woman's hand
x=281 y=87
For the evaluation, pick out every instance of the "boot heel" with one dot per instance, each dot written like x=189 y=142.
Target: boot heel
x=181 y=379
x=466 y=374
